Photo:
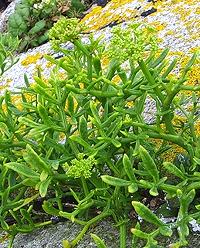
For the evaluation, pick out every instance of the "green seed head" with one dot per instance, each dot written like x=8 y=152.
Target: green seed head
x=132 y=42
x=81 y=167
x=65 y=30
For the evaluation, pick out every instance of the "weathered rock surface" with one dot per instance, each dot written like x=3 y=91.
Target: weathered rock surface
x=52 y=236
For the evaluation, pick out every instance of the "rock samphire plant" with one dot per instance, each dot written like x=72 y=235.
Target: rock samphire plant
x=82 y=135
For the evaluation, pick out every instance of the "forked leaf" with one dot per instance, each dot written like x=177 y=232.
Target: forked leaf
x=174 y=170
x=23 y=170
x=149 y=164
x=26 y=202
x=147 y=214
x=44 y=186
x=153 y=191
x=115 y=181
x=26 y=216
x=32 y=158
x=128 y=167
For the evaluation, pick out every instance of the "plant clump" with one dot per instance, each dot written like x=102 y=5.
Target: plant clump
x=83 y=137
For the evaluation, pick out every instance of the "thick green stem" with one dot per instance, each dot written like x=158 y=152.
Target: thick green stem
x=116 y=197
x=59 y=202
x=150 y=79
x=168 y=137
x=89 y=67
x=85 y=187
x=123 y=235
x=80 y=46
x=167 y=117
x=61 y=109
x=166 y=187
x=80 y=235
x=43 y=224
x=10 y=245
x=89 y=223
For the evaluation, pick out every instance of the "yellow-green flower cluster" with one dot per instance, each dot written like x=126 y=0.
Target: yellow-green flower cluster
x=80 y=167
x=65 y=30
x=133 y=42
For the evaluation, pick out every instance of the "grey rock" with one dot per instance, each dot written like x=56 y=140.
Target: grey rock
x=53 y=235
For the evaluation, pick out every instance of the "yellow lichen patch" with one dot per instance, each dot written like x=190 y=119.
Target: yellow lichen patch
x=171 y=154
x=193 y=79
x=114 y=11
x=62 y=75
x=116 y=79
x=82 y=86
x=130 y=104
x=49 y=64
x=45 y=80
x=159 y=27
x=4 y=237
x=75 y=103
x=31 y=59
x=177 y=120
x=105 y=61
x=62 y=137
x=197 y=128
x=17 y=101
x=197 y=11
